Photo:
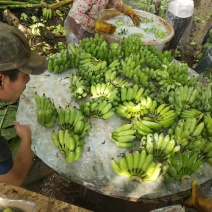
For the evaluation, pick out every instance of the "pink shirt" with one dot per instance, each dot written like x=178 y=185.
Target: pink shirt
x=87 y=11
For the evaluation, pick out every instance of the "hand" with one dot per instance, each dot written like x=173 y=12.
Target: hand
x=130 y=12
x=23 y=131
x=104 y=27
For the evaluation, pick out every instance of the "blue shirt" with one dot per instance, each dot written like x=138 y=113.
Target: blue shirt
x=6 y=160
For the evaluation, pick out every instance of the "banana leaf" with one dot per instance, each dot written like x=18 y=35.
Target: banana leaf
x=7 y=117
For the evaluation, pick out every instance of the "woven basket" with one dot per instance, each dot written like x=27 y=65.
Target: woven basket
x=110 y=13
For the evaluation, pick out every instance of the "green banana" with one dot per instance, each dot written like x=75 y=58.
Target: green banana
x=108 y=115
x=123 y=128
x=130 y=161
x=70 y=156
x=198 y=130
x=78 y=152
x=147 y=162
x=115 y=166
x=126 y=132
x=106 y=108
x=37 y=100
x=55 y=139
x=124 y=144
x=61 y=138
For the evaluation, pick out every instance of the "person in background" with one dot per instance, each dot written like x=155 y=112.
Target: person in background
x=84 y=16
x=17 y=62
x=206 y=60
x=179 y=14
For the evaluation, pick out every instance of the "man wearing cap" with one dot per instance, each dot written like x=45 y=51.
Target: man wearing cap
x=17 y=62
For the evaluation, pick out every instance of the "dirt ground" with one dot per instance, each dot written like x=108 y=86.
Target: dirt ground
x=202 y=20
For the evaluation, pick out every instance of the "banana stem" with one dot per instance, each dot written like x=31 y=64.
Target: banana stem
x=11 y=6
x=11 y=2
x=60 y=4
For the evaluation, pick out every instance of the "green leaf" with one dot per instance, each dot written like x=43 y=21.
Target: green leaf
x=7 y=117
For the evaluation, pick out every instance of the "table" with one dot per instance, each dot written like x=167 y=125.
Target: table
x=93 y=170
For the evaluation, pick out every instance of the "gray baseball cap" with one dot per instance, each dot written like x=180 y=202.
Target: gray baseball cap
x=15 y=52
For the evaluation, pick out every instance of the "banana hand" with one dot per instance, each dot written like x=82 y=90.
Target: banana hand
x=104 y=27
x=130 y=12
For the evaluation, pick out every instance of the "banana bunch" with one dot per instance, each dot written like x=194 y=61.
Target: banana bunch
x=91 y=69
x=78 y=87
x=129 y=109
x=115 y=65
x=178 y=73
x=131 y=45
x=190 y=113
x=166 y=57
x=153 y=58
x=73 y=120
x=46 y=111
x=105 y=90
x=162 y=114
x=197 y=144
x=133 y=93
x=114 y=52
x=124 y=136
x=206 y=152
x=172 y=76
x=47 y=13
x=99 y=108
x=161 y=146
x=138 y=166
x=186 y=129
x=132 y=70
x=144 y=127
x=183 y=98
x=119 y=82
x=130 y=66
x=148 y=72
x=110 y=75
x=96 y=46
x=69 y=144
x=58 y=30
x=144 y=55
x=141 y=78
x=182 y=165
x=61 y=62
x=204 y=99
x=163 y=80
x=112 y=71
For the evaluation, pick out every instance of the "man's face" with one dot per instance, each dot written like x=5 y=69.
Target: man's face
x=10 y=90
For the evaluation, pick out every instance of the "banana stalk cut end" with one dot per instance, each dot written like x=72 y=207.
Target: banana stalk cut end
x=185 y=177
x=136 y=178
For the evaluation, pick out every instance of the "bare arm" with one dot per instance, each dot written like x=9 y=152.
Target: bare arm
x=22 y=160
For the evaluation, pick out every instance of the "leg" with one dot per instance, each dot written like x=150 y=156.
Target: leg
x=179 y=25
